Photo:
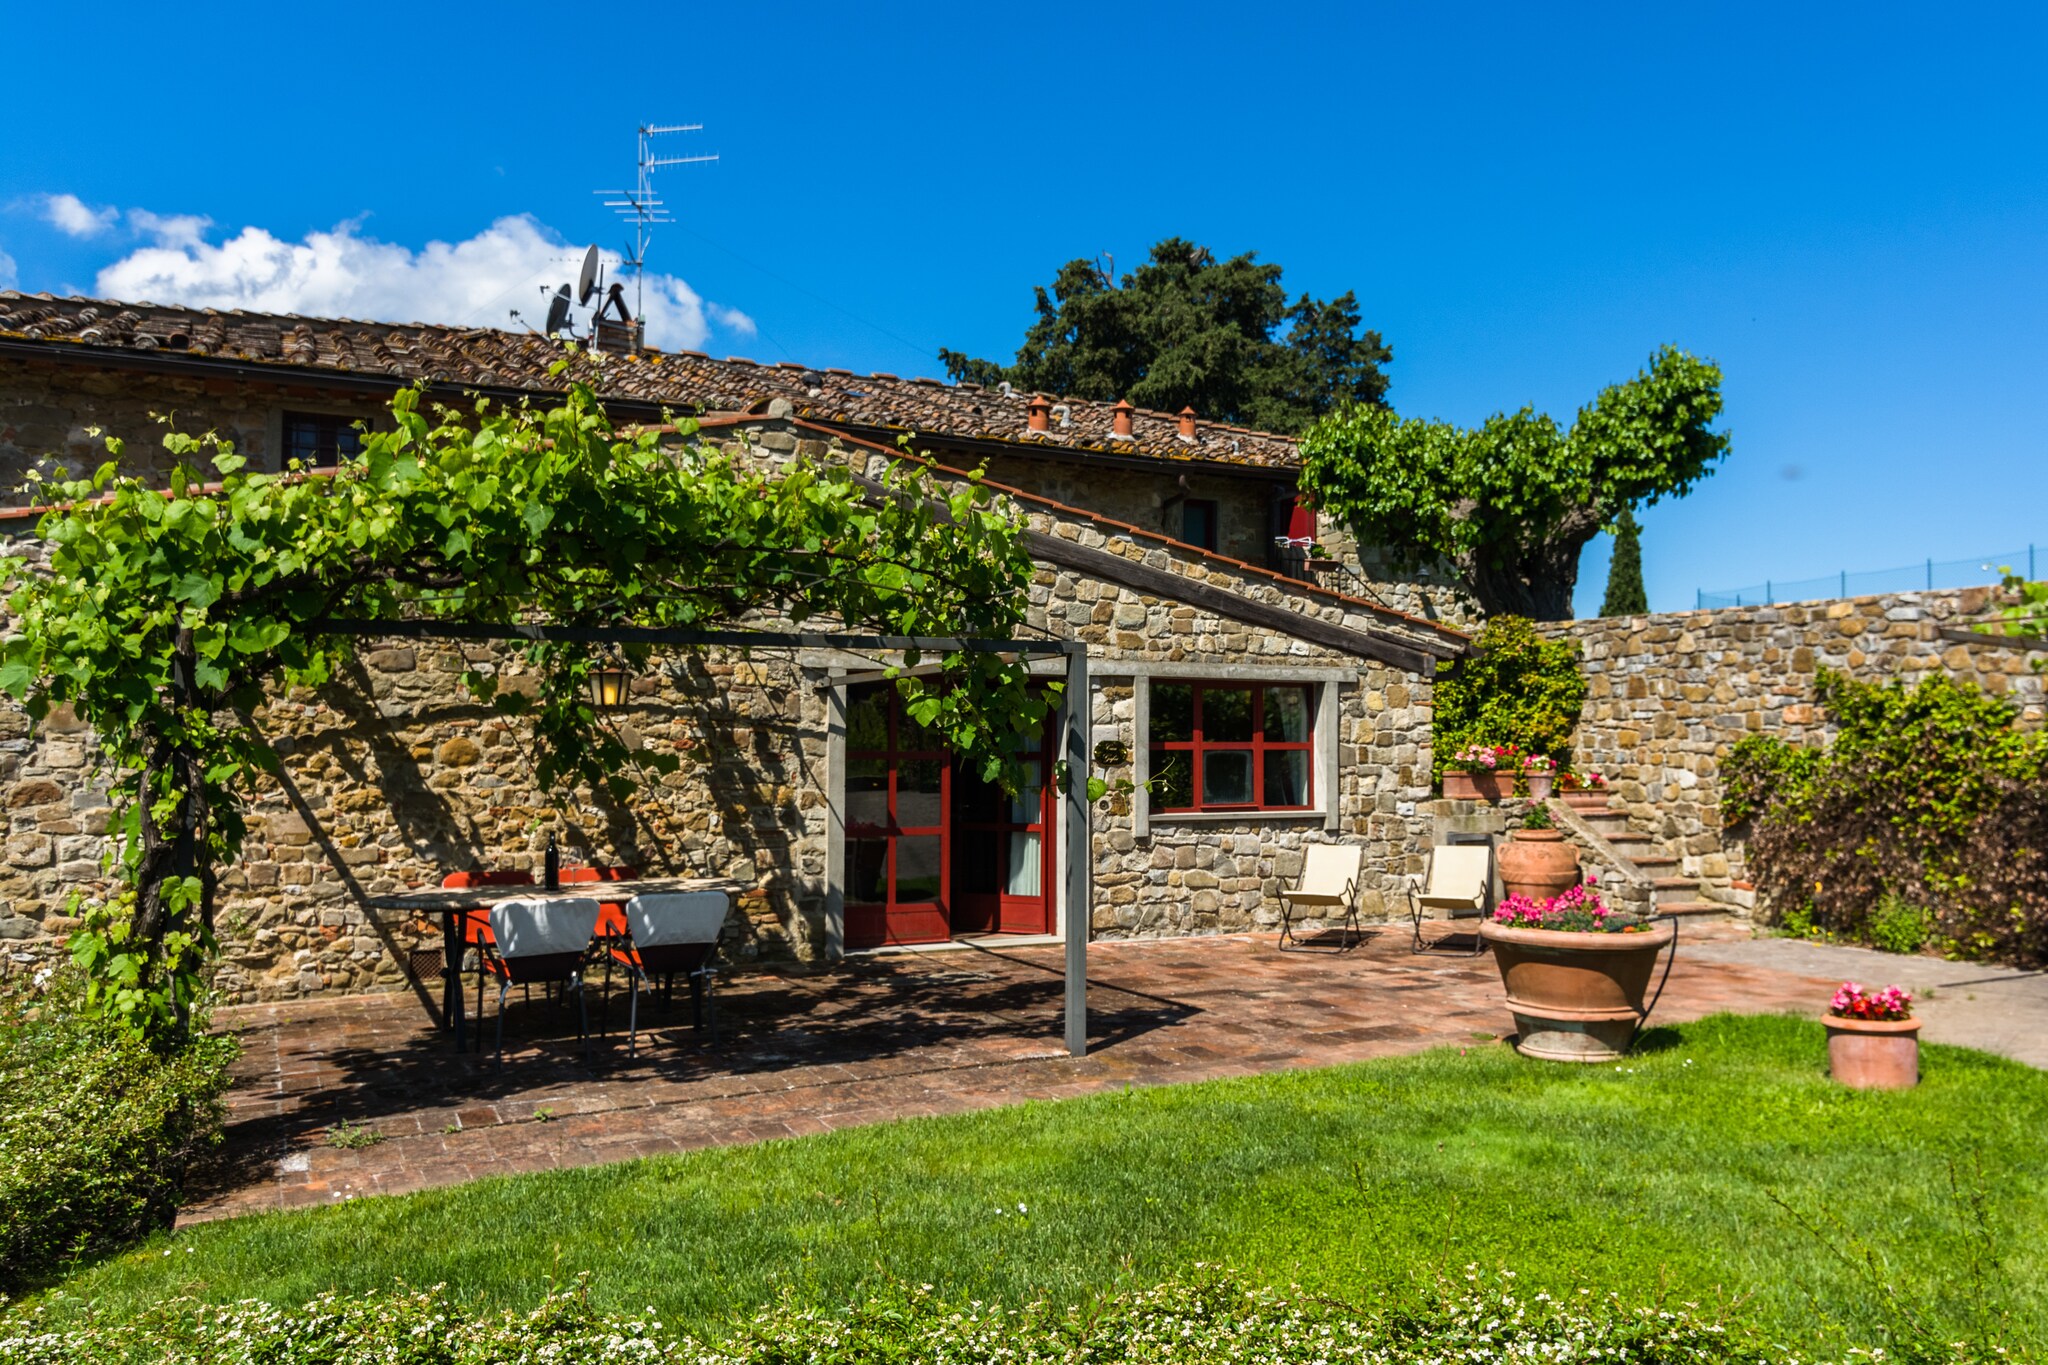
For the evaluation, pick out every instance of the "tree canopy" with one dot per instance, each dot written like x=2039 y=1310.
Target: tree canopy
x=1511 y=503
x=1187 y=330
x=164 y=613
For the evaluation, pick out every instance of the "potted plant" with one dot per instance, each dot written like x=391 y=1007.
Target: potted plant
x=1582 y=791
x=1482 y=772
x=1577 y=974
x=1873 y=1038
x=1538 y=862
x=1539 y=770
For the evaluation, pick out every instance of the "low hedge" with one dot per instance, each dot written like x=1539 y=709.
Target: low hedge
x=1212 y=1321
x=96 y=1129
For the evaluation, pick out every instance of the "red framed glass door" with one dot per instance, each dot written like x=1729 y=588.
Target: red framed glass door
x=898 y=799
x=1002 y=848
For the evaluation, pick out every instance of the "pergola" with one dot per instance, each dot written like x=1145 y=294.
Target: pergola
x=1079 y=851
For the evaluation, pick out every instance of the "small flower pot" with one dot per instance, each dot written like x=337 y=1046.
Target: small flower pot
x=1538 y=863
x=1874 y=1054
x=1576 y=997
x=1539 y=785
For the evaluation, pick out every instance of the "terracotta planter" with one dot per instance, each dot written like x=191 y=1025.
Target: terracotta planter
x=1538 y=863
x=1476 y=786
x=1583 y=801
x=1484 y=785
x=1874 y=1054
x=1575 y=997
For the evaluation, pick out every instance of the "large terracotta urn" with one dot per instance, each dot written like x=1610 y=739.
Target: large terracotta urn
x=1538 y=863
x=1874 y=1054
x=1576 y=997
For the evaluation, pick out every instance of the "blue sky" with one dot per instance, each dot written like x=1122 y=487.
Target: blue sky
x=1847 y=207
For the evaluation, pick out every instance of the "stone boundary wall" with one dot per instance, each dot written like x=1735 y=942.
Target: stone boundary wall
x=1668 y=695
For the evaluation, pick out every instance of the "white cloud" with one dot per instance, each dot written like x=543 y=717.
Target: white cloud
x=73 y=217
x=731 y=319
x=8 y=276
x=341 y=273
x=170 y=229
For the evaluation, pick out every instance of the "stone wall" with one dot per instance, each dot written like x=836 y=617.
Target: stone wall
x=1668 y=695
x=49 y=414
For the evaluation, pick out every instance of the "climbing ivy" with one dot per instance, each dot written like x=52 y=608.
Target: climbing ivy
x=1514 y=688
x=1930 y=797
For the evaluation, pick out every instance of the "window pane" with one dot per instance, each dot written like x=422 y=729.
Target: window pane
x=867 y=871
x=867 y=796
x=1173 y=713
x=867 y=718
x=919 y=804
x=917 y=868
x=1027 y=806
x=1173 y=780
x=1025 y=863
x=1226 y=777
x=1226 y=714
x=1287 y=714
x=1287 y=777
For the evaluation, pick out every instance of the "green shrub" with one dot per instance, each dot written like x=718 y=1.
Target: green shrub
x=1515 y=688
x=96 y=1129
x=1899 y=926
x=1927 y=796
x=1211 y=1322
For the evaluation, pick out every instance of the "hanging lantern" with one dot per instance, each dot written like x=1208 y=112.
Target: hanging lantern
x=608 y=685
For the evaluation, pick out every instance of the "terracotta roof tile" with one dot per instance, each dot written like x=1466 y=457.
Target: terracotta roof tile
x=682 y=379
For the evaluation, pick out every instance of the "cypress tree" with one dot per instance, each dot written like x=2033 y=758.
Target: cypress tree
x=1625 y=595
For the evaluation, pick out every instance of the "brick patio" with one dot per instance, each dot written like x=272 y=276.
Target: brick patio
x=872 y=1039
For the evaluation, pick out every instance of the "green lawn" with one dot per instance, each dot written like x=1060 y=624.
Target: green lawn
x=1655 y=1178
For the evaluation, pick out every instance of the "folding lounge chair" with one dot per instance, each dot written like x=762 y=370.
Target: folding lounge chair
x=1328 y=882
x=668 y=934
x=1454 y=887
x=541 y=940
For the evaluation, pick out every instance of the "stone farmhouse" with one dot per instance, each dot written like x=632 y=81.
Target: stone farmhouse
x=1257 y=683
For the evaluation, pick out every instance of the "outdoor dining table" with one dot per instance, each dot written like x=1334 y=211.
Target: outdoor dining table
x=455 y=904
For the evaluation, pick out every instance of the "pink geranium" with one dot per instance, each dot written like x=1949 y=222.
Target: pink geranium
x=1854 y=1002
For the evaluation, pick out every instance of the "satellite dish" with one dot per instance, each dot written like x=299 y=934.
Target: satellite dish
x=558 y=312
x=586 y=279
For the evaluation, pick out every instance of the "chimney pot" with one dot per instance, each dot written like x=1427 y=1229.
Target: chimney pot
x=1187 y=423
x=1120 y=421
x=1036 y=410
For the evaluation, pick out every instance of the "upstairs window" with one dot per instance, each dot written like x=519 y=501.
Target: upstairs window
x=1198 y=522
x=1231 y=746
x=320 y=440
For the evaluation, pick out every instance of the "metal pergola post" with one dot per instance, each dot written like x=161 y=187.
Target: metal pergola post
x=1080 y=852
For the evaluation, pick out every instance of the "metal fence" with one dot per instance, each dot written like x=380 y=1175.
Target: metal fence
x=1926 y=576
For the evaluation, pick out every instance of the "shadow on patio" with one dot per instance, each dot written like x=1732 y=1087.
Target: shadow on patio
x=800 y=1051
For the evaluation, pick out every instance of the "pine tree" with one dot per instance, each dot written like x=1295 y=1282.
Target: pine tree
x=1625 y=595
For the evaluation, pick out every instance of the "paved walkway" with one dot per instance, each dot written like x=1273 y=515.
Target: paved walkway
x=871 y=1039
x=1998 y=1009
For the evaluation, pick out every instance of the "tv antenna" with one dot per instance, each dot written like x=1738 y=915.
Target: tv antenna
x=640 y=206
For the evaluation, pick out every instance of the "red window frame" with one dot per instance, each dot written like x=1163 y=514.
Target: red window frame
x=1258 y=746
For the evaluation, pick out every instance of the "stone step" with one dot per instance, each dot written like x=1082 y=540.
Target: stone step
x=1627 y=838
x=1647 y=861
x=1674 y=890
x=1698 y=909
